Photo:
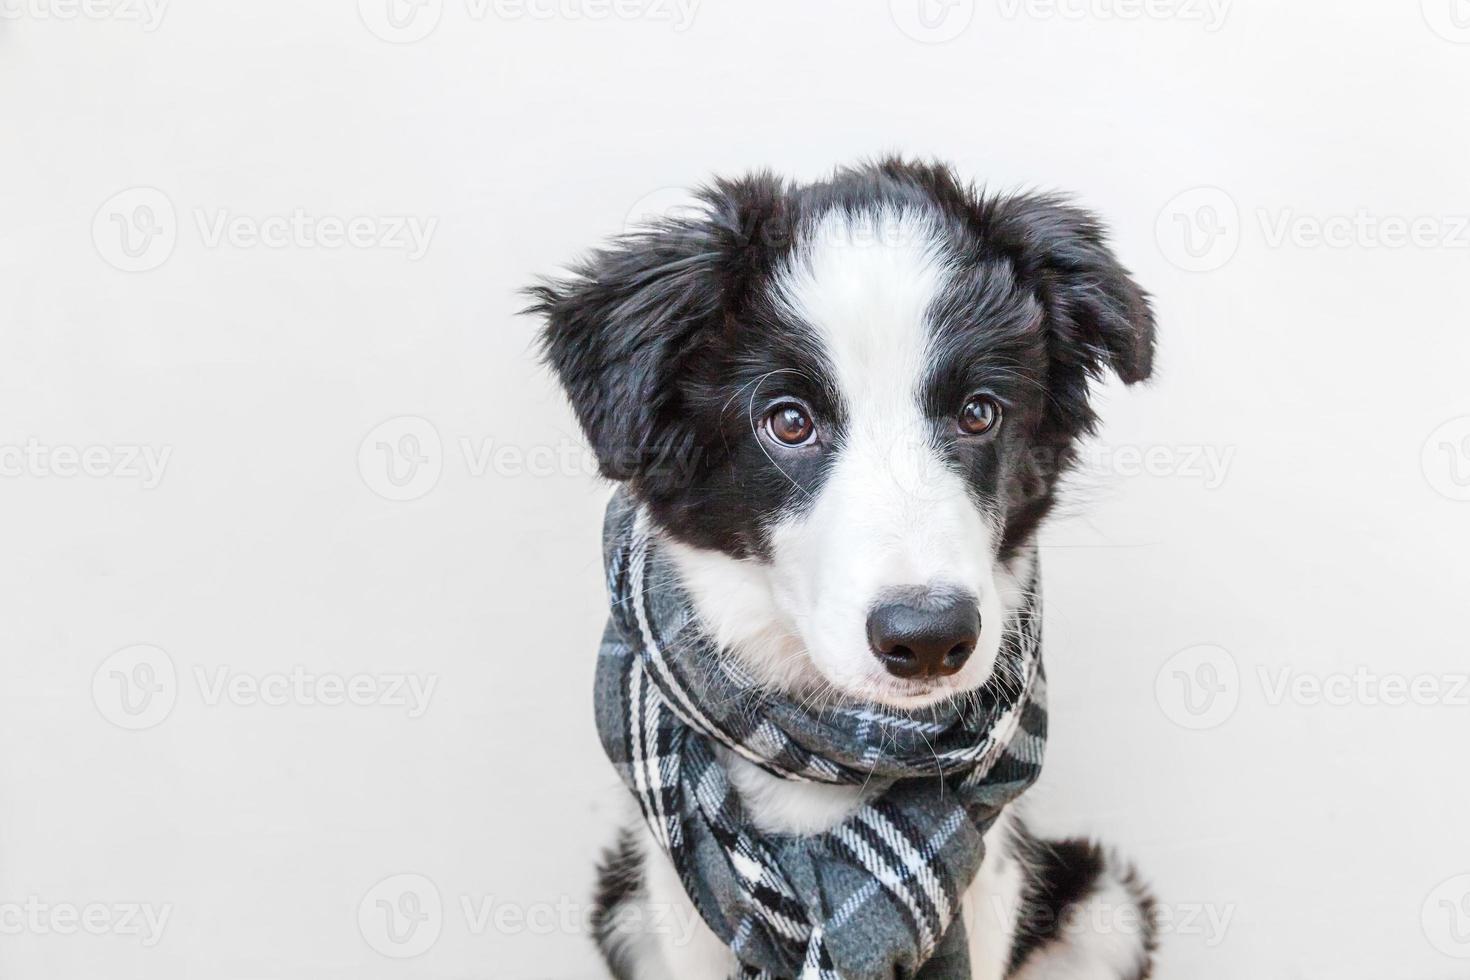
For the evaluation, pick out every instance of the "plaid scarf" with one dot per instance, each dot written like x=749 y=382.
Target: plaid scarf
x=875 y=898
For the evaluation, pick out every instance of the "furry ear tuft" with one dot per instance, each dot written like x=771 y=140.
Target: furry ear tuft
x=613 y=325
x=620 y=324
x=1098 y=316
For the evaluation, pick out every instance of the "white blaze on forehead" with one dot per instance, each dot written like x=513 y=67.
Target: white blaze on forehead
x=865 y=283
x=890 y=513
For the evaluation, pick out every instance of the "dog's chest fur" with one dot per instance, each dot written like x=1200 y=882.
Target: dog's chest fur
x=677 y=945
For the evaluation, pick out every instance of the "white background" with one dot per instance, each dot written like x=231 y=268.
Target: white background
x=1329 y=542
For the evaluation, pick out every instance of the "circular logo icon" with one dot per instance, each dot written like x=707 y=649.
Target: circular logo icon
x=135 y=230
x=400 y=21
x=1446 y=459
x=1446 y=917
x=136 y=687
x=918 y=467
x=1199 y=230
x=932 y=21
x=402 y=458
x=1199 y=687
x=401 y=916
x=666 y=202
x=1450 y=19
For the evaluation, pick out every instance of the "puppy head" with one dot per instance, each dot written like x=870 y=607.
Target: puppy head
x=846 y=405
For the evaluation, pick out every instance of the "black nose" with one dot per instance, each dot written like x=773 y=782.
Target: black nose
x=924 y=635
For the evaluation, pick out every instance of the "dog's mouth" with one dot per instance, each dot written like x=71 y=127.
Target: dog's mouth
x=906 y=694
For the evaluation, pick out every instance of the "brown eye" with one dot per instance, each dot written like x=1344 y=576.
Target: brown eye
x=980 y=415
x=790 y=425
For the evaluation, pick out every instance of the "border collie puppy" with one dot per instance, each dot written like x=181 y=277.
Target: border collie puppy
x=844 y=408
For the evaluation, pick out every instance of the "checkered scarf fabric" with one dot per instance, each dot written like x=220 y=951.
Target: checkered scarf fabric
x=875 y=898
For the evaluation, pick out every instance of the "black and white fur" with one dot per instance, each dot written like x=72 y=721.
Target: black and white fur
x=878 y=302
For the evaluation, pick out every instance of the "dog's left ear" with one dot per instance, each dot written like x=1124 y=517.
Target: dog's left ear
x=619 y=325
x=613 y=328
x=1097 y=316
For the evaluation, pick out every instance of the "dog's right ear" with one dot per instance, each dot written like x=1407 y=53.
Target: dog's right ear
x=618 y=325
x=615 y=328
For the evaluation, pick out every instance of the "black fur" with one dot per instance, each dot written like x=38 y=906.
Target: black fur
x=671 y=348
x=1060 y=877
x=619 y=878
